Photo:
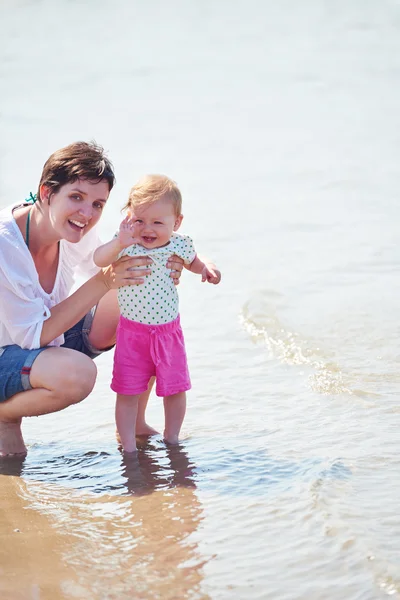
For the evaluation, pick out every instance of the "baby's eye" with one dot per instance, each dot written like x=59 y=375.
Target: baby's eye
x=157 y=222
x=138 y=221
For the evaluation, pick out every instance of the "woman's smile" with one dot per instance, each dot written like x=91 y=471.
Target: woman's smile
x=77 y=225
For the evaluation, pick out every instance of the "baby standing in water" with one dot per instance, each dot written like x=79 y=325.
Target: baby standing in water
x=149 y=336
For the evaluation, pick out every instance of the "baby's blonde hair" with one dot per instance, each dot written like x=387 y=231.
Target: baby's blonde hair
x=151 y=188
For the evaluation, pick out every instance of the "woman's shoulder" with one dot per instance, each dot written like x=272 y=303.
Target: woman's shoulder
x=16 y=264
x=9 y=231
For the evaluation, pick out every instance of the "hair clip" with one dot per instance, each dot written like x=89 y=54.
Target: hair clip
x=32 y=198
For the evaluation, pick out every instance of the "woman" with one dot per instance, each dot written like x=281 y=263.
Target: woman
x=48 y=338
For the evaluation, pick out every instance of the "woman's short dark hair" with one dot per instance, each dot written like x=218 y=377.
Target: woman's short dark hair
x=80 y=160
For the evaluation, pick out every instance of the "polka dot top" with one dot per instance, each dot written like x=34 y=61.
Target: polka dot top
x=155 y=301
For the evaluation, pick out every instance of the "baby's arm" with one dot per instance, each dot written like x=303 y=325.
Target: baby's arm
x=206 y=269
x=108 y=253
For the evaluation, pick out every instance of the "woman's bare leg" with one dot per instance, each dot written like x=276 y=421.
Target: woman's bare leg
x=59 y=377
x=174 y=410
x=11 y=440
x=126 y=409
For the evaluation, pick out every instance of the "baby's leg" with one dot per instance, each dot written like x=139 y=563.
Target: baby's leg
x=142 y=428
x=126 y=409
x=174 y=411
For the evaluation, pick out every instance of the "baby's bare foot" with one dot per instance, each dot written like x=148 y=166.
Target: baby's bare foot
x=129 y=448
x=144 y=429
x=172 y=439
x=11 y=440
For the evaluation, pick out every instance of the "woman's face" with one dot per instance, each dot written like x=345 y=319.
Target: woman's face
x=76 y=207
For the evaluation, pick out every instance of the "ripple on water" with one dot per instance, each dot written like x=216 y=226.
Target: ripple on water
x=260 y=318
x=229 y=467
x=153 y=467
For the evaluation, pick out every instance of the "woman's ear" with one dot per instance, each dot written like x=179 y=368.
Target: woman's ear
x=44 y=193
x=178 y=222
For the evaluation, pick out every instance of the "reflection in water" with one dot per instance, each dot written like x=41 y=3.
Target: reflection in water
x=12 y=465
x=144 y=472
x=143 y=531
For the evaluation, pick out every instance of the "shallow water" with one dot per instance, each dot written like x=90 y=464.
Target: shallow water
x=280 y=122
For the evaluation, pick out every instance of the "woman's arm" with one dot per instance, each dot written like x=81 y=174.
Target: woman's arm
x=31 y=324
x=68 y=312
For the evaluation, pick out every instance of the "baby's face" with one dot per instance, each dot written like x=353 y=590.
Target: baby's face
x=155 y=223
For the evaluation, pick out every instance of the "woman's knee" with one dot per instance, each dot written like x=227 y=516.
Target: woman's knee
x=81 y=380
x=67 y=373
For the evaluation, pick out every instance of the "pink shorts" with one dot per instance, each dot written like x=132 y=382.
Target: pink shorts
x=146 y=350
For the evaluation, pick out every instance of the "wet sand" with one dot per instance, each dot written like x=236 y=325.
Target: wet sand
x=58 y=543
x=31 y=553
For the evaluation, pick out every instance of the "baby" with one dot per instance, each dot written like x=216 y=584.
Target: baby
x=149 y=336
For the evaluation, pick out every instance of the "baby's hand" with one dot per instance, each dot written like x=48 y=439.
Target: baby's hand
x=126 y=235
x=211 y=274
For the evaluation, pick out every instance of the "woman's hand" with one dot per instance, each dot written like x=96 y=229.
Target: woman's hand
x=175 y=263
x=124 y=271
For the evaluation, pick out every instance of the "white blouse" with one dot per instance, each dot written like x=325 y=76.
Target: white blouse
x=24 y=305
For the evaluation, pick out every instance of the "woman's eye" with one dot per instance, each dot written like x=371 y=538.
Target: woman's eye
x=77 y=197
x=98 y=205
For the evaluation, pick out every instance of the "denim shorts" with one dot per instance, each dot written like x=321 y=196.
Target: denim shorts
x=16 y=363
